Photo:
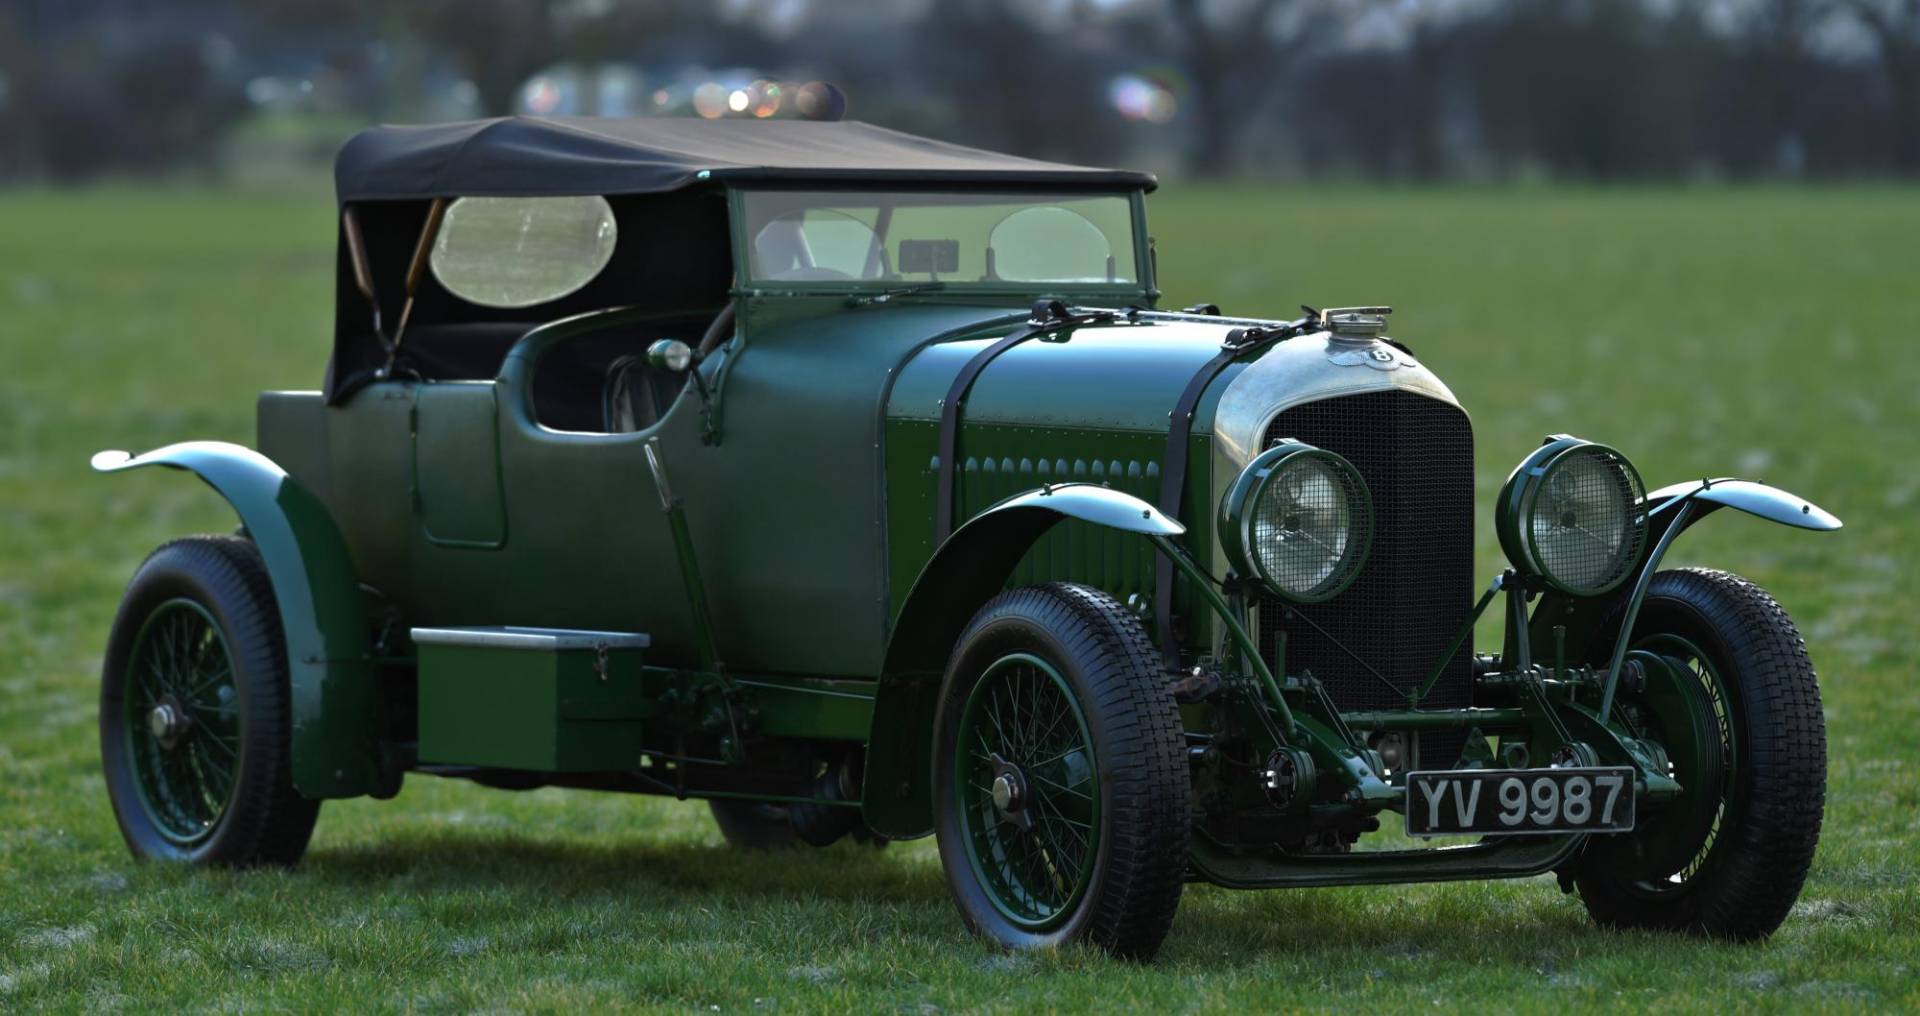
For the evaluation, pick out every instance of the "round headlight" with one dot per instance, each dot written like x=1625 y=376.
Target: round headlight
x=1298 y=518
x=1574 y=513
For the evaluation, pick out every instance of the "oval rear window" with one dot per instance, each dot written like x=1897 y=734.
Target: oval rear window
x=517 y=252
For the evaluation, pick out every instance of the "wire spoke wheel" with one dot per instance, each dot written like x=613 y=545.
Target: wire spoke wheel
x=182 y=724
x=1026 y=783
x=195 y=725
x=1061 y=795
x=1735 y=705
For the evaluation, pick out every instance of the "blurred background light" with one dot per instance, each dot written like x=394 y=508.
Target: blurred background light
x=1389 y=89
x=818 y=100
x=545 y=94
x=766 y=98
x=1141 y=99
x=710 y=100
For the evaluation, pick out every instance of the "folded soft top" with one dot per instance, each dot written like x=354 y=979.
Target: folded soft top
x=528 y=156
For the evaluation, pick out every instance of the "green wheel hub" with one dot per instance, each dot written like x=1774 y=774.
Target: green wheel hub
x=1027 y=782
x=182 y=721
x=1692 y=845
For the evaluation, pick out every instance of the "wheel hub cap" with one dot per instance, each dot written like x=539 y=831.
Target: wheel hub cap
x=1006 y=792
x=1009 y=793
x=167 y=722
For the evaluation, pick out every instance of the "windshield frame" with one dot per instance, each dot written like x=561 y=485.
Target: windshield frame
x=745 y=285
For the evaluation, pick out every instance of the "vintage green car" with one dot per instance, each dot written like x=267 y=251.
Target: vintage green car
x=851 y=482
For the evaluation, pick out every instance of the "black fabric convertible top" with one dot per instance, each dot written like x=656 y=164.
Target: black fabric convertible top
x=528 y=156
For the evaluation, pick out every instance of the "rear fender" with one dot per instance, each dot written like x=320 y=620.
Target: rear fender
x=335 y=733
x=968 y=569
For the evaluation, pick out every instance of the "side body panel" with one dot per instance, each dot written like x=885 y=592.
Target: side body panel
x=357 y=460
x=791 y=498
x=1089 y=406
x=1001 y=461
x=366 y=455
x=786 y=508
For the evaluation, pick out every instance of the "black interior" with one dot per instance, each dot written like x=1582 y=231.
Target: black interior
x=673 y=254
x=601 y=382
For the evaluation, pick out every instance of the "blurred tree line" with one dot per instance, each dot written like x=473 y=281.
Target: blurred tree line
x=1393 y=89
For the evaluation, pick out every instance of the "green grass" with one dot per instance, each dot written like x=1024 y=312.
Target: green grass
x=1760 y=332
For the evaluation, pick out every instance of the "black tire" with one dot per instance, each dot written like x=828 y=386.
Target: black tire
x=260 y=818
x=1740 y=883
x=1130 y=876
x=752 y=825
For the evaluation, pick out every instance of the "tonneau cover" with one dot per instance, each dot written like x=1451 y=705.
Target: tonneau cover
x=529 y=156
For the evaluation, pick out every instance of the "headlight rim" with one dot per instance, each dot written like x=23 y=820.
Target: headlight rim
x=1514 y=511
x=1236 y=519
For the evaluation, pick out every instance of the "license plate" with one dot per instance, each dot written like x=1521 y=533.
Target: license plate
x=1510 y=802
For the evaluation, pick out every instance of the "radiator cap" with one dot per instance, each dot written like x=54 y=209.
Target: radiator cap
x=1356 y=322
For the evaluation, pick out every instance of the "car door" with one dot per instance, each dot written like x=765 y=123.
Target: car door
x=457 y=494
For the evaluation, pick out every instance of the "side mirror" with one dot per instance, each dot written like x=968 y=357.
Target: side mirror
x=670 y=355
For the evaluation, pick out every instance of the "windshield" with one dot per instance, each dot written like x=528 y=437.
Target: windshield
x=979 y=238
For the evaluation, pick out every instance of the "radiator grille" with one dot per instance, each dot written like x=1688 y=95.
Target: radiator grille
x=1416 y=454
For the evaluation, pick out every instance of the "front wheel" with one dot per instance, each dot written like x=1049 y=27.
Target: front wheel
x=1060 y=787
x=1728 y=859
x=194 y=728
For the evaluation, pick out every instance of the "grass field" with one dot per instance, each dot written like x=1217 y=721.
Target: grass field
x=1760 y=332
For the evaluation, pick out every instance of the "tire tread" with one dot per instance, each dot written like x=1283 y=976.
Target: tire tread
x=268 y=821
x=1147 y=828
x=1754 y=885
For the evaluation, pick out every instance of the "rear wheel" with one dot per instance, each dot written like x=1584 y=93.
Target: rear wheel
x=753 y=825
x=1061 y=793
x=194 y=729
x=1727 y=860
x=820 y=822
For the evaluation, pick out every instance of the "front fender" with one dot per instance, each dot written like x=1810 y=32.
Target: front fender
x=331 y=691
x=1754 y=498
x=967 y=570
x=1582 y=619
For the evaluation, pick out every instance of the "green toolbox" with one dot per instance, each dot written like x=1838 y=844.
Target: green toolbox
x=547 y=699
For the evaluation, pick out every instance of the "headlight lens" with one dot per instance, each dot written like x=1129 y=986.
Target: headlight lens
x=1299 y=519
x=1574 y=513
